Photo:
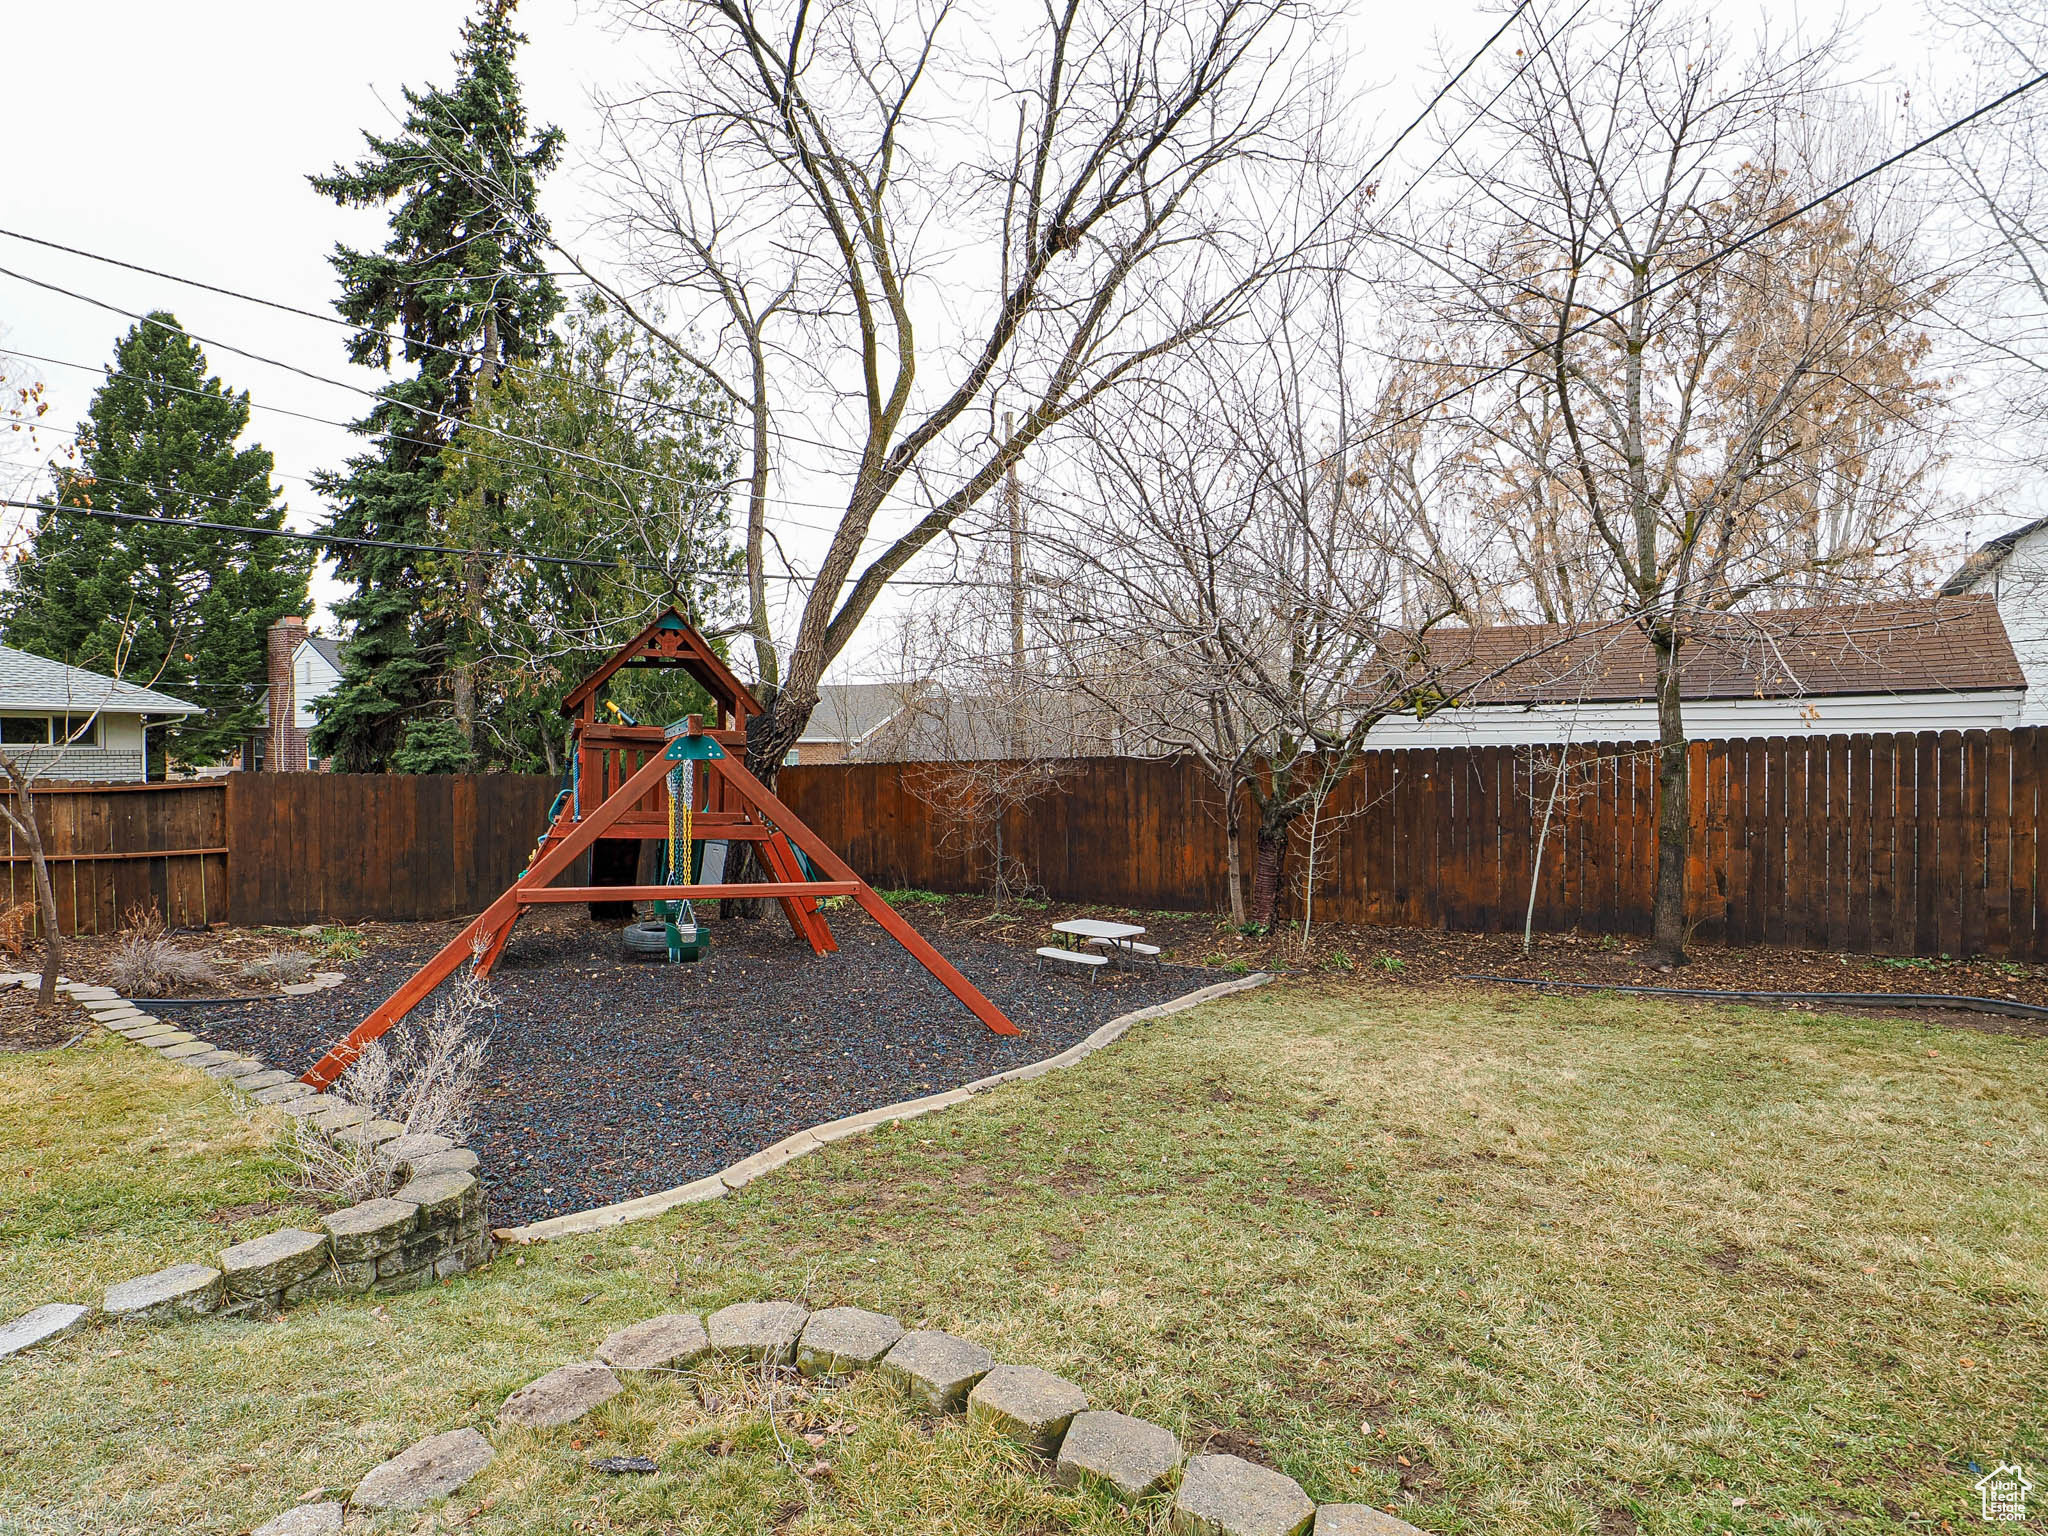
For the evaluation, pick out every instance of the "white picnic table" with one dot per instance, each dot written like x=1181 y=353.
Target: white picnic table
x=1096 y=928
x=1120 y=939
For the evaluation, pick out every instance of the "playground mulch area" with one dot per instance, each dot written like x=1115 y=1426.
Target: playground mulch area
x=608 y=1078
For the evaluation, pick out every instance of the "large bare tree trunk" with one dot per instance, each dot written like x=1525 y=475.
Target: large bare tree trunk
x=1268 y=871
x=1674 y=809
x=1233 y=843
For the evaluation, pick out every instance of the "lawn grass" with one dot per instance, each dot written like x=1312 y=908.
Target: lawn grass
x=113 y=1164
x=1510 y=1265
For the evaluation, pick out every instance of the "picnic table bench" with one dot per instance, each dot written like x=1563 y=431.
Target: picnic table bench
x=1118 y=941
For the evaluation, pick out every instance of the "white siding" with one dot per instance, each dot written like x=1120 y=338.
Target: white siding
x=313 y=677
x=2020 y=588
x=1492 y=725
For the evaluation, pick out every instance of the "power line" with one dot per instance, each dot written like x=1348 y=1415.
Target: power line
x=377 y=395
x=278 y=410
x=207 y=525
x=326 y=319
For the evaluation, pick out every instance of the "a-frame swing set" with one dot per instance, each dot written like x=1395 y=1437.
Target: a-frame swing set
x=620 y=789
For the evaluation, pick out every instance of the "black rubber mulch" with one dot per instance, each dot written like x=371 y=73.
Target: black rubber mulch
x=606 y=1079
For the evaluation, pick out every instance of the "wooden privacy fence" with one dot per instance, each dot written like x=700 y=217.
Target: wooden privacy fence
x=341 y=847
x=284 y=847
x=112 y=847
x=1921 y=844
x=1912 y=844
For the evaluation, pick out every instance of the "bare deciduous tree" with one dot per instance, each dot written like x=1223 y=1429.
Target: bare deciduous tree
x=875 y=267
x=1254 y=594
x=1703 y=431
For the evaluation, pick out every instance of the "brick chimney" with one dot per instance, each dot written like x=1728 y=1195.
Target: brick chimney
x=286 y=748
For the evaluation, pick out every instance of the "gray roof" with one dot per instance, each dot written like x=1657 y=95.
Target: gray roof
x=327 y=646
x=1988 y=557
x=852 y=712
x=36 y=682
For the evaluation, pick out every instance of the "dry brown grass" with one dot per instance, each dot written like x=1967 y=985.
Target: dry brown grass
x=1513 y=1266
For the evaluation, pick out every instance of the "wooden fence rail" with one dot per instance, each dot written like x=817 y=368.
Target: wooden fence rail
x=112 y=847
x=1910 y=844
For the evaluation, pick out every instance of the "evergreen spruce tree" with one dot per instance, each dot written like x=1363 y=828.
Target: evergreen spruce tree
x=173 y=607
x=458 y=290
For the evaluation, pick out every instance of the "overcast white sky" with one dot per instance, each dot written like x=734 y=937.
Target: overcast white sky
x=180 y=137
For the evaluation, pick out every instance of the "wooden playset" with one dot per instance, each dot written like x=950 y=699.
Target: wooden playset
x=687 y=788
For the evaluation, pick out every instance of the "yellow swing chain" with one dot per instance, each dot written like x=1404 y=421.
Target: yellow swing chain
x=688 y=843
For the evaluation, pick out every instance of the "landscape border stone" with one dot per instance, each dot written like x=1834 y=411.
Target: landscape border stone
x=381 y=1245
x=1219 y=1495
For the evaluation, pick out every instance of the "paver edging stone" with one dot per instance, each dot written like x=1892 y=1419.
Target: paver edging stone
x=1219 y=1495
x=393 y=1248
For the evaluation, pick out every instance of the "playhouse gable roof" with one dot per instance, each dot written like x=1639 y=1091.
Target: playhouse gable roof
x=670 y=641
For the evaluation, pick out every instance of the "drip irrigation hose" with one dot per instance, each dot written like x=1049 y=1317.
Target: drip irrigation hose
x=1836 y=999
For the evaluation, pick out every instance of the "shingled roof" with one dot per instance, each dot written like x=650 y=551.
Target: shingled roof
x=1922 y=645
x=1988 y=557
x=36 y=682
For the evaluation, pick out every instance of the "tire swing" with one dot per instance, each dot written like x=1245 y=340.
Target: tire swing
x=674 y=934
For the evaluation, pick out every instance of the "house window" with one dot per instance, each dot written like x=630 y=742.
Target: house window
x=43 y=730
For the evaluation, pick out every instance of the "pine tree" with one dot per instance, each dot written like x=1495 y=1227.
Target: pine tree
x=457 y=291
x=524 y=474
x=155 y=603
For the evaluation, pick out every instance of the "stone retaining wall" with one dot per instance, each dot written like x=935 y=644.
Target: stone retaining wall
x=435 y=1224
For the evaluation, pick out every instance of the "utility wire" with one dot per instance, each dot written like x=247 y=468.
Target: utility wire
x=206 y=525
x=326 y=319
x=489 y=458
x=379 y=396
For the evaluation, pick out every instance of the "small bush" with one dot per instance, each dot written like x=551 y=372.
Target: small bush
x=279 y=968
x=340 y=944
x=422 y=1073
x=146 y=963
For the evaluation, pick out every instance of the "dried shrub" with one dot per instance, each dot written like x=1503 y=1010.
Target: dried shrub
x=16 y=923
x=422 y=1074
x=147 y=963
x=279 y=968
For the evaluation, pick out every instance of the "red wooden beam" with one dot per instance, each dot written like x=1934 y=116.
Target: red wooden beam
x=777 y=888
x=763 y=801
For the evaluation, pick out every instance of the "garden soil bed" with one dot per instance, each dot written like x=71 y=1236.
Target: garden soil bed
x=26 y=1027
x=607 y=1078
x=1422 y=956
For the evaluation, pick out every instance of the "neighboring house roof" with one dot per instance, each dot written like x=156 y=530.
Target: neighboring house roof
x=942 y=726
x=328 y=647
x=1920 y=645
x=852 y=712
x=36 y=682
x=1987 y=558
